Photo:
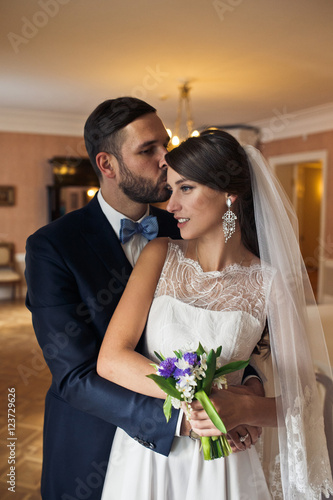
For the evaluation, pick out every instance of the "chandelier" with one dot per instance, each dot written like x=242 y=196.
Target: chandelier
x=183 y=129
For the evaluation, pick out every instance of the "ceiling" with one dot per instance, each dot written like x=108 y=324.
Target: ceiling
x=246 y=60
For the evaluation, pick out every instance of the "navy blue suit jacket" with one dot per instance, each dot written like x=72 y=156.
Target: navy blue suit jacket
x=76 y=272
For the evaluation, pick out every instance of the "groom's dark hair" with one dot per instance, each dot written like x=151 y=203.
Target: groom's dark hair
x=102 y=130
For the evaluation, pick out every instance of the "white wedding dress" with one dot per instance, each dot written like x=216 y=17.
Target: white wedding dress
x=190 y=306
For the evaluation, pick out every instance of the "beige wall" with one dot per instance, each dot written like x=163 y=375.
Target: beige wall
x=24 y=164
x=313 y=142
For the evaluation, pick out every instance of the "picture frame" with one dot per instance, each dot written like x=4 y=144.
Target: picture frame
x=7 y=196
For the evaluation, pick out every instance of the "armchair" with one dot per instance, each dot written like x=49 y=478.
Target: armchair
x=8 y=274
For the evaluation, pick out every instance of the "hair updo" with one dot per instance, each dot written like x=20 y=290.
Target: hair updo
x=217 y=160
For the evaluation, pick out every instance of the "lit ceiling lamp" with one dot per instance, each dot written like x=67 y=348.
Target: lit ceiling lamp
x=184 y=101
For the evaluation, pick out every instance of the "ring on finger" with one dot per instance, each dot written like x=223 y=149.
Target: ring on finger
x=243 y=438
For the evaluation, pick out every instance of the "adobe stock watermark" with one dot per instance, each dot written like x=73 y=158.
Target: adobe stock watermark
x=153 y=77
x=30 y=27
x=322 y=252
x=85 y=488
x=222 y=8
x=150 y=81
x=277 y=124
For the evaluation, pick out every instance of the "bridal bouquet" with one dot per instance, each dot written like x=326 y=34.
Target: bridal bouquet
x=189 y=376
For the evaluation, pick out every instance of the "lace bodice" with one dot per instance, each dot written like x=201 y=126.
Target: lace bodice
x=216 y=308
x=235 y=288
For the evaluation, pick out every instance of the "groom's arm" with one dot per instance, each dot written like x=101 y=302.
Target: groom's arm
x=70 y=346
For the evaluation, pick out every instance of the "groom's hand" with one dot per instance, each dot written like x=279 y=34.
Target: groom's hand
x=185 y=426
x=255 y=386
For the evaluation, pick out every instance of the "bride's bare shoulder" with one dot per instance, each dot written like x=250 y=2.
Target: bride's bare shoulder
x=155 y=251
x=158 y=244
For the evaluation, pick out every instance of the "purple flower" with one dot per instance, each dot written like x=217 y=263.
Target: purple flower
x=167 y=367
x=181 y=373
x=191 y=358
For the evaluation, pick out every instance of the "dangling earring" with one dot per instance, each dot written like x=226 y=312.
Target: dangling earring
x=229 y=221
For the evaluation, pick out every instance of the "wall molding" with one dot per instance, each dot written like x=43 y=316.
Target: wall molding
x=282 y=124
x=285 y=124
x=41 y=122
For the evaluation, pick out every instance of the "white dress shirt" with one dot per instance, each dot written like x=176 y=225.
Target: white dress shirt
x=135 y=245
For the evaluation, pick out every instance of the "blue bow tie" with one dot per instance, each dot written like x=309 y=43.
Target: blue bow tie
x=148 y=227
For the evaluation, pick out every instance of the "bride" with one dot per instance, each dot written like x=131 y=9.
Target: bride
x=235 y=279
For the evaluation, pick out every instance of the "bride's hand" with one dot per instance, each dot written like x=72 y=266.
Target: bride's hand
x=243 y=437
x=231 y=404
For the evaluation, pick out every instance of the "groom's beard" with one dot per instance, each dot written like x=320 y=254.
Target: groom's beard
x=141 y=189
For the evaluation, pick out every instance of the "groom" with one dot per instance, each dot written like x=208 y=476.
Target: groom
x=76 y=270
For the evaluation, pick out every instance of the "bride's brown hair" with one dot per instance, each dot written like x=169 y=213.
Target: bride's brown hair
x=217 y=160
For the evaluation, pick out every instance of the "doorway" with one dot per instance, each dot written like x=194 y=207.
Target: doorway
x=303 y=179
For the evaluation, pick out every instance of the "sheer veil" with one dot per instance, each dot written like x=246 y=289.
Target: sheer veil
x=295 y=455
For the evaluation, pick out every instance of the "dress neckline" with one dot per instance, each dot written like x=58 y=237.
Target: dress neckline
x=228 y=268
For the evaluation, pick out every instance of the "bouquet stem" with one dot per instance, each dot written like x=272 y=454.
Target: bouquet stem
x=215 y=447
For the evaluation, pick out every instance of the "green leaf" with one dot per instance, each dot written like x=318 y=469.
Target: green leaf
x=159 y=356
x=167 y=408
x=166 y=384
x=200 y=350
x=231 y=367
x=218 y=351
x=210 y=372
x=178 y=354
x=210 y=410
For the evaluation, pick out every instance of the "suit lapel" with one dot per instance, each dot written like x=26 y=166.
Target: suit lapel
x=99 y=234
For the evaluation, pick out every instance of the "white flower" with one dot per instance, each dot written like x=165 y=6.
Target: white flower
x=199 y=372
x=187 y=380
x=182 y=364
x=203 y=359
x=176 y=403
x=219 y=362
x=221 y=382
x=186 y=385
